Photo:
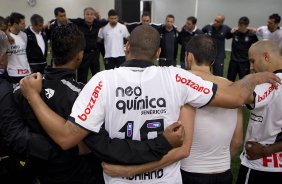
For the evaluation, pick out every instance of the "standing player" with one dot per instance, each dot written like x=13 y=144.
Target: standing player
x=18 y=65
x=143 y=105
x=188 y=31
x=37 y=46
x=209 y=159
x=272 y=31
x=219 y=32
x=261 y=158
x=113 y=34
x=241 y=42
x=145 y=20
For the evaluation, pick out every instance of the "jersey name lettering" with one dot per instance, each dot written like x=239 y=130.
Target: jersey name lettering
x=192 y=84
x=274 y=160
x=265 y=94
x=147 y=176
x=23 y=71
x=91 y=102
x=135 y=103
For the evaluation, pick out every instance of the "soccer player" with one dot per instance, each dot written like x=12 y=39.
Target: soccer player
x=271 y=31
x=209 y=158
x=188 y=31
x=261 y=158
x=219 y=32
x=145 y=20
x=242 y=40
x=137 y=98
x=18 y=65
x=113 y=35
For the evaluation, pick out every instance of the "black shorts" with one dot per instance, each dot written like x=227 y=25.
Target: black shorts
x=200 y=178
x=250 y=176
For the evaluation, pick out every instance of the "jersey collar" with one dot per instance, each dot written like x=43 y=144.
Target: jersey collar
x=137 y=63
x=278 y=71
x=58 y=73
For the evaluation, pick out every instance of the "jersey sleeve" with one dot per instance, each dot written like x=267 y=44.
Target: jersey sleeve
x=197 y=92
x=259 y=33
x=125 y=32
x=88 y=110
x=263 y=94
x=100 y=34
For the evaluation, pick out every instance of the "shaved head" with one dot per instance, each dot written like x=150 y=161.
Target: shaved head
x=144 y=42
x=265 y=46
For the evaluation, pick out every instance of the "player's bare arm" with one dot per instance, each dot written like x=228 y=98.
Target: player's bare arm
x=240 y=92
x=255 y=150
x=237 y=138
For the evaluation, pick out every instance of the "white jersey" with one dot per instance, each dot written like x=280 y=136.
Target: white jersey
x=113 y=39
x=265 y=126
x=18 y=65
x=139 y=103
x=263 y=33
x=210 y=150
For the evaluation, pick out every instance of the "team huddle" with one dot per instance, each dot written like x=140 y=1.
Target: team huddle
x=136 y=121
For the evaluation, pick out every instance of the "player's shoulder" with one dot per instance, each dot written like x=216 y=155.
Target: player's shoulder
x=221 y=81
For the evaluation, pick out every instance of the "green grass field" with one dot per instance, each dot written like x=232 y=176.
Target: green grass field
x=235 y=161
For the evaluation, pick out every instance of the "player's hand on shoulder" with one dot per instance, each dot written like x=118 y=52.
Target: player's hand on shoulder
x=175 y=134
x=31 y=85
x=267 y=77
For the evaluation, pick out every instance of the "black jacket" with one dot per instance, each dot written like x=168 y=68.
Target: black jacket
x=162 y=30
x=132 y=26
x=59 y=91
x=15 y=134
x=184 y=37
x=90 y=32
x=241 y=43
x=33 y=51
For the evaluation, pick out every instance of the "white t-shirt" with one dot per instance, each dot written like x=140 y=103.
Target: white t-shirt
x=18 y=65
x=3 y=42
x=263 y=33
x=39 y=39
x=265 y=126
x=113 y=39
x=138 y=103
x=210 y=150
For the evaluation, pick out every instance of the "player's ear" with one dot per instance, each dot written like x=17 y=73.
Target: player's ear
x=266 y=56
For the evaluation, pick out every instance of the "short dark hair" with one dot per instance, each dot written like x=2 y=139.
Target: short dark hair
x=170 y=16
x=244 y=21
x=67 y=41
x=276 y=17
x=203 y=47
x=192 y=19
x=144 y=42
x=16 y=18
x=36 y=19
x=59 y=10
x=112 y=12
x=145 y=14
x=3 y=22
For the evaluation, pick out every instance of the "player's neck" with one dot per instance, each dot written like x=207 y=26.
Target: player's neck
x=205 y=69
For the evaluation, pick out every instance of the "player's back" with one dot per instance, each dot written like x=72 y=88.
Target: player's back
x=138 y=102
